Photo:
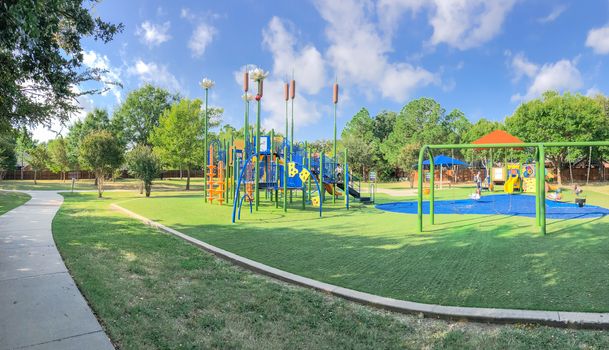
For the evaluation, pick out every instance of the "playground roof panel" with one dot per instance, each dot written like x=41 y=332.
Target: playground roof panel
x=497 y=136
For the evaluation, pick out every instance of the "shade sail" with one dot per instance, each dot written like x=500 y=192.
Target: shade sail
x=442 y=160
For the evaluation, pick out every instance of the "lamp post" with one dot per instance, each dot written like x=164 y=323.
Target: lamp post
x=205 y=84
x=258 y=76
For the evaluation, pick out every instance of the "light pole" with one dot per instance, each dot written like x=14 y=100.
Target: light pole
x=258 y=76
x=205 y=84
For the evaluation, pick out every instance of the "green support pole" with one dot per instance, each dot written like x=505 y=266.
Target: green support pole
x=431 y=188
x=537 y=192
x=346 y=181
x=206 y=151
x=257 y=140
x=309 y=167
x=335 y=157
x=246 y=126
x=420 y=190
x=235 y=173
x=321 y=176
x=304 y=193
x=285 y=169
x=542 y=187
x=274 y=179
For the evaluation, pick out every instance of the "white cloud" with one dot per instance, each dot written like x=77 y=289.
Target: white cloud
x=558 y=76
x=201 y=37
x=598 y=40
x=552 y=16
x=154 y=73
x=462 y=24
x=307 y=63
x=358 y=52
x=593 y=91
x=187 y=14
x=465 y=24
x=153 y=34
x=111 y=75
x=523 y=67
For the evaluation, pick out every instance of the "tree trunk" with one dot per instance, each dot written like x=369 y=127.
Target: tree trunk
x=558 y=175
x=188 y=179
x=148 y=185
x=35 y=173
x=100 y=183
x=22 y=165
x=181 y=177
x=142 y=187
x=571 y=172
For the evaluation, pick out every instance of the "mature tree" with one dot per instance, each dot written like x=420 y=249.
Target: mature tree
x=178 y=138
x=144 y=165
x=361 y=125
x=96 y=120
x=41 y=58
x=422 y=121
x=24 y=143
x=58 y=161
x=8 y=156
x=361 y=155
x=39 y=156
x=324 y=145
x=102 y=153
x=480 y=128
x=554 y=117
x=384 y=123
x=135 y=119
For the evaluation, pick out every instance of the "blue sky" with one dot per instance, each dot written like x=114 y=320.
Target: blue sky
x=483 y=57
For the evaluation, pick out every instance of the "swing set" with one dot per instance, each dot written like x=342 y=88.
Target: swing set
x=539 y=160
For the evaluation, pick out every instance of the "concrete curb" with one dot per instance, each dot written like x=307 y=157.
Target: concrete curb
x=591 y=320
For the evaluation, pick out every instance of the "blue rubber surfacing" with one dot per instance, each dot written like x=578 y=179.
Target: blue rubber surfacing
x=500 y=204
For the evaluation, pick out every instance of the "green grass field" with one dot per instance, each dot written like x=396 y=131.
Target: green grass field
x=151 y=290
x=467 y=260
x=10 y=200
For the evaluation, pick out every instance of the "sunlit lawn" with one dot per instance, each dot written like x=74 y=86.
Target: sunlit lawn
x=10 y=200
x=470 y=260
x=153 y=291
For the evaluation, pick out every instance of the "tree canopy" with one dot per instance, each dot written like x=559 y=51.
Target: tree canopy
x=144 y=165
x=41 y=58
x=560 y=118
x=135 y=119
x=102 y=153
x=178 y=139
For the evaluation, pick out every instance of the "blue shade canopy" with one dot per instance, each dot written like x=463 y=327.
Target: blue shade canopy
x=443 y=160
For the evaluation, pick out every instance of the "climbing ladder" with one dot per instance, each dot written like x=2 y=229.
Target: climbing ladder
x=216 y=183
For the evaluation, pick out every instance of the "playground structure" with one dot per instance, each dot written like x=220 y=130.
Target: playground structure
x=537 y=173
x=275 y=167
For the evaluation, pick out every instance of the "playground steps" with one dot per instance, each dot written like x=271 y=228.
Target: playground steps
x=215 y=183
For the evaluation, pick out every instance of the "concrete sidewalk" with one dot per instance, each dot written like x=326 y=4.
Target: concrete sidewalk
x=40 y=306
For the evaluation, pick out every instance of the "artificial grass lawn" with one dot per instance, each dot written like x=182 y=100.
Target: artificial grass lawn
x=152 y=291
x=467 y=260
x=11 y=200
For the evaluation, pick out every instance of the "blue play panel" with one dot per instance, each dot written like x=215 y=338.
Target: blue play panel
x=500 y=204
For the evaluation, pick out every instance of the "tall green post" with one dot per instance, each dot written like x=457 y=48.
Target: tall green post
x=542 y=189
x=420 y=189
x=346 y=175
x=321 y=175
x=206 y=150
x=432 y=175
x=257 y=141
x=335 y=101
x=285 y=150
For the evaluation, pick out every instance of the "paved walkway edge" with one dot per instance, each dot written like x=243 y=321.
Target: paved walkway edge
x=591 y=320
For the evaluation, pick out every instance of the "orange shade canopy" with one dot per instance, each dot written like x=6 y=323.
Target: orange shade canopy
x=497 y=136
